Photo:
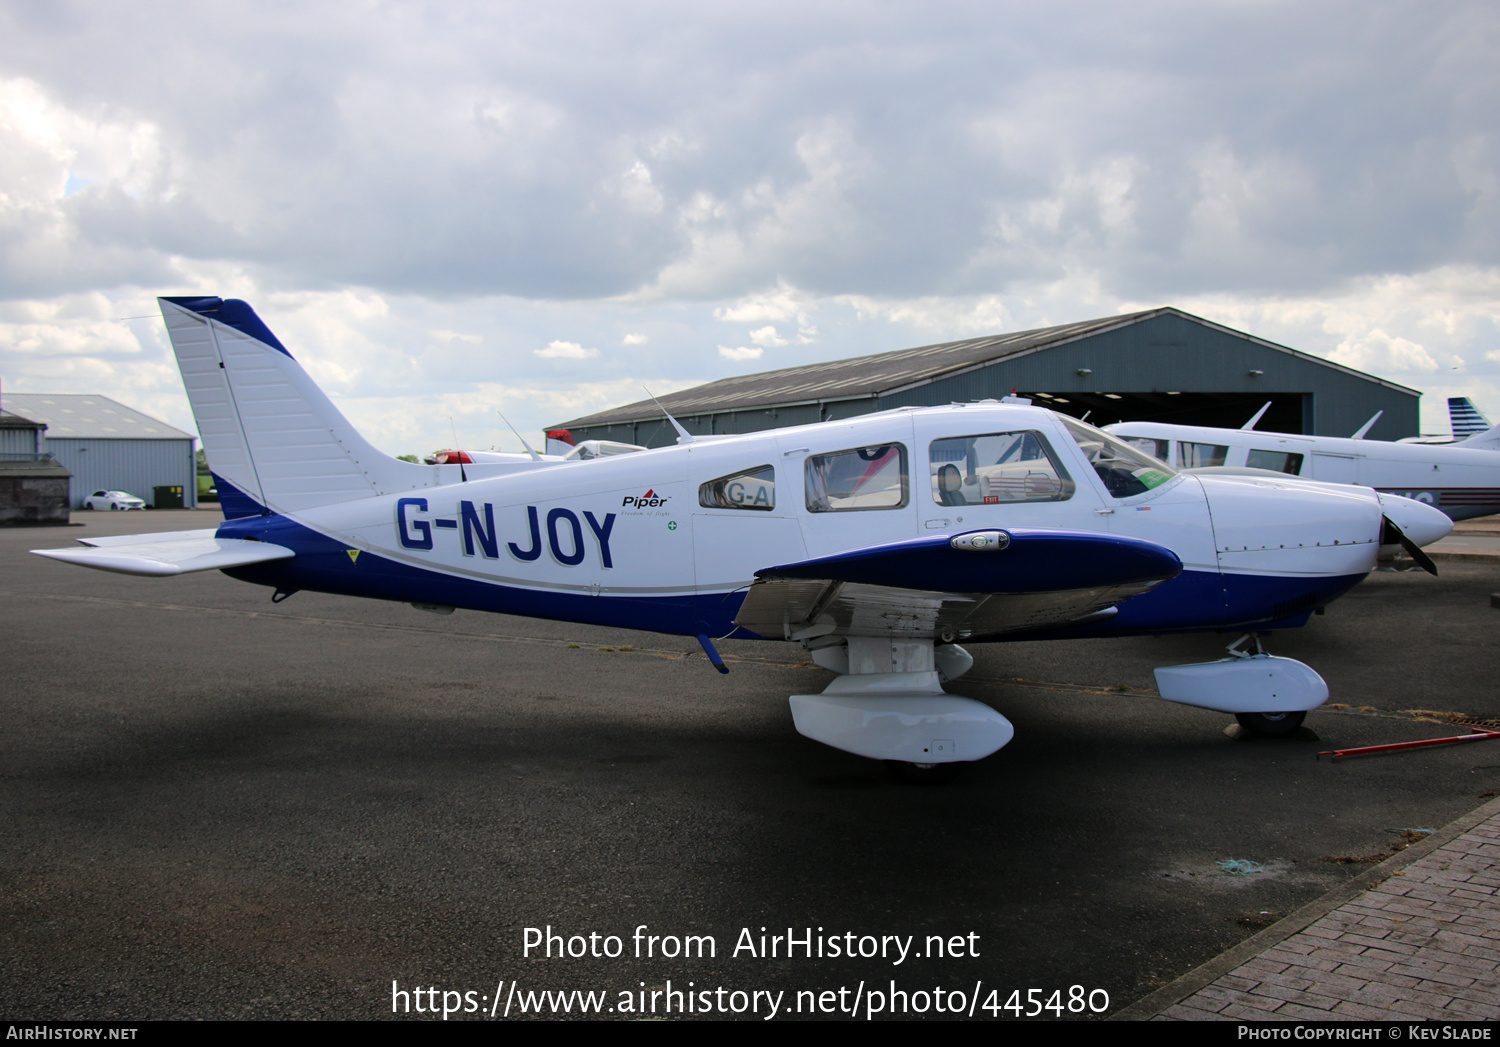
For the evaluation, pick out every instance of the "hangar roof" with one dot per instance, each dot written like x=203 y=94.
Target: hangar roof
x=8 y=420
x=885 y=373
x=79 y=416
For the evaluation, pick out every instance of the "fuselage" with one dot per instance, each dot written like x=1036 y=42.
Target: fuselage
x=669 y=539
x=1463 y=482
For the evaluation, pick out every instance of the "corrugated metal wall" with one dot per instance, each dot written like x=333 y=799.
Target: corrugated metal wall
x=18 y=440
x=136 y=466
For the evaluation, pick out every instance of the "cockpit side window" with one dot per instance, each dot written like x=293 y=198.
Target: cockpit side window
x=859 y=478
x=997 y=469
x=1124 y=470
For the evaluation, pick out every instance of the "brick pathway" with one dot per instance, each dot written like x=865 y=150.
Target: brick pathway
x=1416 y=937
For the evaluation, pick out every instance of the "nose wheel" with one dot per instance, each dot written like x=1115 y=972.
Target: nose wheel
x=1269 y=696
x=1271 y=725
x=922 y=773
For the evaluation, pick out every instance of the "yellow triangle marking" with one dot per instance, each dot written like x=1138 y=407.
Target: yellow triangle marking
x=353 y=555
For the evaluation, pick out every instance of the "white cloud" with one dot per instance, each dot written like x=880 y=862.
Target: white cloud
x=784 y=304
x=767 y=337
x=407 y=424
x=1380 y=352
x=936 y=315
x=565 y=351
x=638 y=191
x=741 y=353
x=634 y=338
x=458 y=336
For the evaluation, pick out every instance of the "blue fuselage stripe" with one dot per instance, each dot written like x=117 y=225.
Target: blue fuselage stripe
x=1194 y=601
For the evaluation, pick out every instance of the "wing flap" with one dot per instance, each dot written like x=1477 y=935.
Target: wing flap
x=168 y=554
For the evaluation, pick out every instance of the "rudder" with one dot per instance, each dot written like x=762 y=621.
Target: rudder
x=268 y=431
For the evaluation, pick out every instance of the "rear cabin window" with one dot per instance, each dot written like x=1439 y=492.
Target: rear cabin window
x=1276 y=461
x=997 y=469
x=753 y=488
x=859 y=478
x=1199 y=456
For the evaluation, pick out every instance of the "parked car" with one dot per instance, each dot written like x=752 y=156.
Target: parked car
x=113 y=500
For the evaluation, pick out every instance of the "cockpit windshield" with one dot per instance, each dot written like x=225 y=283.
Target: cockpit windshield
x=1124 y=470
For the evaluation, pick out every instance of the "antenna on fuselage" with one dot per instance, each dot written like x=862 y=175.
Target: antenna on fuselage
x=683 y=436
x=534 y=456
x=1257 y=417
x=462 y=478
x=1360 y=432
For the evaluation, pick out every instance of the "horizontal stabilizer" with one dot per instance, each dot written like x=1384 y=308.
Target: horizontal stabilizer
x=149 y=539
x=1489 y=440
x=181 y=552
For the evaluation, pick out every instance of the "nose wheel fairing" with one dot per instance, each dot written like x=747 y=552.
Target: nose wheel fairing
x=1269 y=696
x=1259 y=683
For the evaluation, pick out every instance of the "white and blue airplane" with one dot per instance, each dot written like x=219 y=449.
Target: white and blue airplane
x=878 y=543
x=1460 y=478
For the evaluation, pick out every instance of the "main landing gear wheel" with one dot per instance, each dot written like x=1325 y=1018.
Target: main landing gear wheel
x=1271 y=725
x=922 y=773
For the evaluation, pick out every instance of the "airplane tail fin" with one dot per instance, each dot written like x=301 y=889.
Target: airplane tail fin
x=275 y=441
x=560 y=441
x=1466 y=419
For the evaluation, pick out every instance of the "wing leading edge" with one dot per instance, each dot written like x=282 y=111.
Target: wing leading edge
x=948 y=587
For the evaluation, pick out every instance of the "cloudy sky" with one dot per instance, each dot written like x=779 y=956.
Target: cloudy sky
x=449 y=210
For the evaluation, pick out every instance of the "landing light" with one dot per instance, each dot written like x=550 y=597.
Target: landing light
x=980 y=541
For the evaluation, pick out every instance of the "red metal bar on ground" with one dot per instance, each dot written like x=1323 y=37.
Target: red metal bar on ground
x=1479 y=734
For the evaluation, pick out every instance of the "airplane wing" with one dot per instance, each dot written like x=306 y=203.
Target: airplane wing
x=168 y=553
x=948 y=587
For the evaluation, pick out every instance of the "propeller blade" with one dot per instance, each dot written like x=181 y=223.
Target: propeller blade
x=1390 y=532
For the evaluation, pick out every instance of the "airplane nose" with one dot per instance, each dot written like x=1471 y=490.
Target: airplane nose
x=1418 y=521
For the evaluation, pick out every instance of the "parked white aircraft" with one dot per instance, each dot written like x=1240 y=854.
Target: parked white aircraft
x=573 y=452
x=877 y=542
x=1461 y=479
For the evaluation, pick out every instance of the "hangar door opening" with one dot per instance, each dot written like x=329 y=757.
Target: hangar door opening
x=1289 y=412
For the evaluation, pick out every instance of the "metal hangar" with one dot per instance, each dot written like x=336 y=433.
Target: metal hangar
x=1161 y=365
x=108 y=446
